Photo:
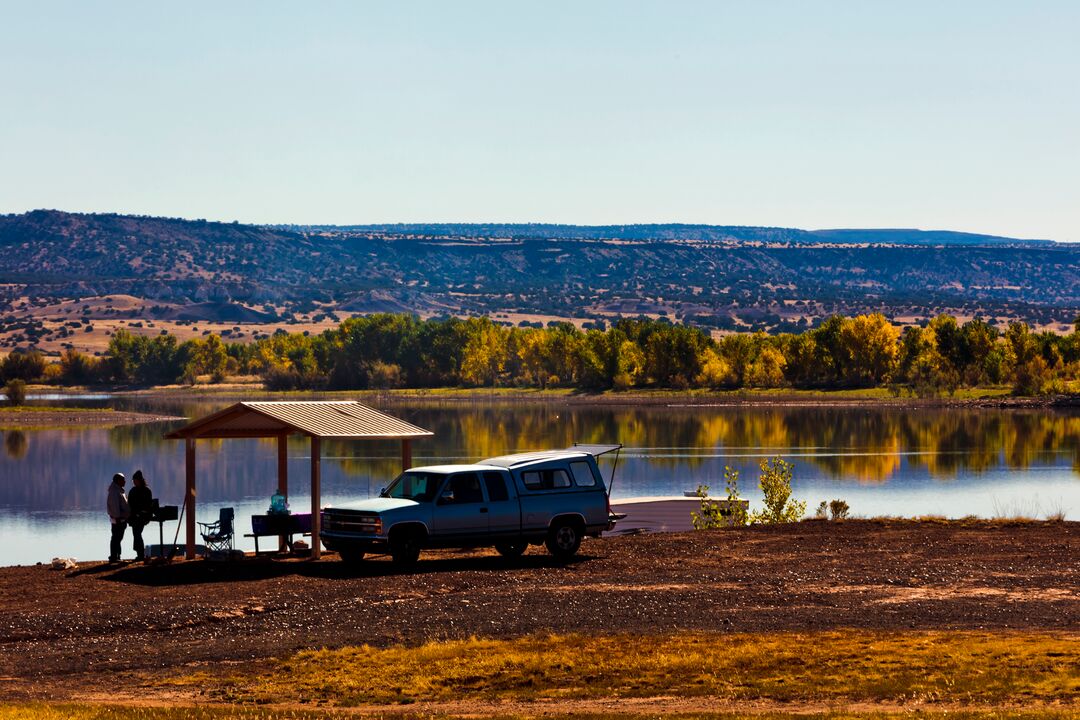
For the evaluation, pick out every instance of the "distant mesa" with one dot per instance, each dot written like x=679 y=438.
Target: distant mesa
x=714 y=276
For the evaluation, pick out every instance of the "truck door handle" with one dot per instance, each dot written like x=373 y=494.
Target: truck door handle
x=483 y=509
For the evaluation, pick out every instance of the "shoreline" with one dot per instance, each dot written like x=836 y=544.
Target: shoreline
x=978 y=398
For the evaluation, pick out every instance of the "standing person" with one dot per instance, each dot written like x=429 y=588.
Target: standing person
x=119 y=511
x=141 y=502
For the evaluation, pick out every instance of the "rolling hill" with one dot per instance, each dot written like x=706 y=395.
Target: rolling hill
x=717 y=276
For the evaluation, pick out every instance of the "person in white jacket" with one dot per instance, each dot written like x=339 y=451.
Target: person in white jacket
x=119 y=511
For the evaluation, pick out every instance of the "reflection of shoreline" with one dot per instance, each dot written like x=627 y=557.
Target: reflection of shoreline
x=45 y=418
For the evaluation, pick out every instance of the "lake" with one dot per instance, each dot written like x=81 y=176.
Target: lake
x=885 y=461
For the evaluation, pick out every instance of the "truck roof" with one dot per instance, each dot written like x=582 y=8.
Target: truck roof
x=525 y=458
x=518 y=459
x=447 y=469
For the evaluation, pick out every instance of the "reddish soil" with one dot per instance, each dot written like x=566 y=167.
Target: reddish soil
x=60 y=630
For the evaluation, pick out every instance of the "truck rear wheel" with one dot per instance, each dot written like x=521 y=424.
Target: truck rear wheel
x=564 y=539
x=405 y=547
x=511 y=549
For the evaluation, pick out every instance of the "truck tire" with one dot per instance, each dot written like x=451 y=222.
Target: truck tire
x=351 y=556
x=511 y=549
x=564 y=539
x=405 y=546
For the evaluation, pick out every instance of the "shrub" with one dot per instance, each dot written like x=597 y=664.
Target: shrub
x=77 y=368
x=384 y=376
x=822 y=512
x=20 y=365
x=710 y=517
x=16 y=392
x=717 y=515
x=53 y=374
x=838 y=509
x=775 y=483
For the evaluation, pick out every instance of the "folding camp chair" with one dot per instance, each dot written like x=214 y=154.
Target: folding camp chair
x=218 y=536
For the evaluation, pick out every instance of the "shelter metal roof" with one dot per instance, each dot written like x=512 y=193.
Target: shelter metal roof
x=317 y=418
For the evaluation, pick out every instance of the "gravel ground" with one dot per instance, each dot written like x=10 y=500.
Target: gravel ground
x=57 y=626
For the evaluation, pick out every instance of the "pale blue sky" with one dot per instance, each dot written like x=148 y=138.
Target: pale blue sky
x=957 y=115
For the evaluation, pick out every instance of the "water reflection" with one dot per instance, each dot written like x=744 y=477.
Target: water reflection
x=668 y=450
x=15 y=444
x=883 y=461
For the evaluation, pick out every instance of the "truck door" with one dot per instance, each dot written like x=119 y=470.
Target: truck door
x=504 y=511
x=460 y=510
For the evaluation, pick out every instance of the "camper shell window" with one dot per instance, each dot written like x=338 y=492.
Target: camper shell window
x=545 y=479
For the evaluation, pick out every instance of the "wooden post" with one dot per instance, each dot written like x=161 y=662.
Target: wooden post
x=283 y=477
x=406 y=454
x=189 y=496
x=316 y=452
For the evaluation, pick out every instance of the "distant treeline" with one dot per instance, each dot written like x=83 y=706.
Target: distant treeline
x=392 y=351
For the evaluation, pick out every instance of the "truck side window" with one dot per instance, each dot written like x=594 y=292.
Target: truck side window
x=545 y=479
x=559 y=479
x=496 y=487
x=466 y=488
x=583 y=475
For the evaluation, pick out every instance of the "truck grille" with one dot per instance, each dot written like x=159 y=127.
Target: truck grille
x=351 y=522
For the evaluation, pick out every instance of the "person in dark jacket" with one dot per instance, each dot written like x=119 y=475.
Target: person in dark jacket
x=119 y=512
x=141 y=501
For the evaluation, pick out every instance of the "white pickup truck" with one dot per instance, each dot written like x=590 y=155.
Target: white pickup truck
x=554 y=497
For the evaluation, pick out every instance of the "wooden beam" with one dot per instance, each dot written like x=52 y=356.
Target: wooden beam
x=406 y=454
x=283 y=476
x=189 y=496
x=316 y=461
x=239 y=434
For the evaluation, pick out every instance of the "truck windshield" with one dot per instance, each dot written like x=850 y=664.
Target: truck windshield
x=418 y=486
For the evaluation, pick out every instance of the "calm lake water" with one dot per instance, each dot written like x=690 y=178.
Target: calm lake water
x=881 y=461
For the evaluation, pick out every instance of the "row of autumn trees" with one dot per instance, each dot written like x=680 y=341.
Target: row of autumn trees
x=387 y=351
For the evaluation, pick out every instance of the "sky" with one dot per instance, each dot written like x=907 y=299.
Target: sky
x=936 y=115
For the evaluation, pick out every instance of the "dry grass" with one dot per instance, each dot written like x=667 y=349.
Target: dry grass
x=969 y=668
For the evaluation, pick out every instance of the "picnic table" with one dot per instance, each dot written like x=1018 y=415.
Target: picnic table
x=282 y=525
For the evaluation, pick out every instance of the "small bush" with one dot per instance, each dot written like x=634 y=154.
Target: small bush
x=384 y=376
x=822 y=512
x=731 y=513
x=16 y=392
x=775 y=483
x=838 y=509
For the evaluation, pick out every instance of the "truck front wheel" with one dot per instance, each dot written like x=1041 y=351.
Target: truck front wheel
x=405 y=547
x=351 y=556
x=563 y=539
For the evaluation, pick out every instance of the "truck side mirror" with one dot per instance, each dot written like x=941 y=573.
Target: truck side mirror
x=382 y=492
x=447 y=497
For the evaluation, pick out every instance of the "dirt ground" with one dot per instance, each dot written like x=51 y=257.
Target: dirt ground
x=60 y=631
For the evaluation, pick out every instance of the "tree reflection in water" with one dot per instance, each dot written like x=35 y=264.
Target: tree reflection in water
x=15 y=444
x=668 y=449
